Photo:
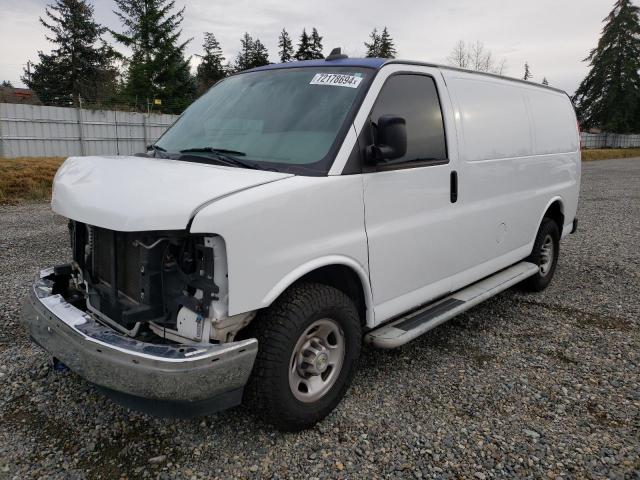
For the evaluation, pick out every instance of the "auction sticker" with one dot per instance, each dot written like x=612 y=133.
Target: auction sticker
x=336 y=79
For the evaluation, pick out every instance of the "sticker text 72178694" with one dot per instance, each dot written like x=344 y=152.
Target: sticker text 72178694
x=336 y=79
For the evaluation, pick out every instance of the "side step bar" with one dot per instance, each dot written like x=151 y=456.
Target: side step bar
x=405 y=329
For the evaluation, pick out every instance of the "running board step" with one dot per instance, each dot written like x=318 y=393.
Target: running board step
x=406 y=328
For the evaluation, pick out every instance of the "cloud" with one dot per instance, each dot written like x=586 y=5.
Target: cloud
x=21 y=36
x=554 y=37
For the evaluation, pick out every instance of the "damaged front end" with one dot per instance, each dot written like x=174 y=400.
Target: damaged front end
x=172 y=282
x=144 y=314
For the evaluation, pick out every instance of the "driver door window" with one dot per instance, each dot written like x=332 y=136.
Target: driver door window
x=414 y=98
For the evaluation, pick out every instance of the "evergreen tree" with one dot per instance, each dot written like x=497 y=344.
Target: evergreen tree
x=211 y=69
x=609 y=96
x=304 y=51
x=244 y=58
x=373 y=48
x=387 y=47
x=252 y=53
x=381 y=45
x=545 y=81
x=286 y=47
x=81 y=62
x=6 y=84
x=527 y=72
x=316 y=45
x=157 y=67
x=259 y=54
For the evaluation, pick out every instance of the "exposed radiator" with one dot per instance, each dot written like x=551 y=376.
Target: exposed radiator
x=127 y=261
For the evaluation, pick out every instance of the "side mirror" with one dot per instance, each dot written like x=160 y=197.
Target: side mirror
x=391 y=140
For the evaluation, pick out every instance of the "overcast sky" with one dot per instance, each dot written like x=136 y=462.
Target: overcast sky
x=554 y=36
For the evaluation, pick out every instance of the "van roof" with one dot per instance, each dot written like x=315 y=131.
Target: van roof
x=378 y=63
x=340 y=62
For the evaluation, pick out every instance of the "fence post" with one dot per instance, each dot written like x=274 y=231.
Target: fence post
x=1 y=137
x=144 y=128
x=115 y=115
x=80 y=129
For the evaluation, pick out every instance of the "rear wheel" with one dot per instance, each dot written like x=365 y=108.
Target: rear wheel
x=545 y=254
x=308 y=345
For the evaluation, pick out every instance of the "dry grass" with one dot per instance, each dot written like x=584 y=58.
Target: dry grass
x=27 y=178
x=609 y=153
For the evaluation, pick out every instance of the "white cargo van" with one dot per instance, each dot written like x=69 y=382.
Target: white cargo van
x=293 y=212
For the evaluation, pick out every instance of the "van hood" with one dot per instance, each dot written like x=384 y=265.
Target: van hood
x=138 y=193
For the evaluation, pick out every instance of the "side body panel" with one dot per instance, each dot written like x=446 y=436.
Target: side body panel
x=409 y=217
x=519 y=151
x=276 y=234
x=512 y=164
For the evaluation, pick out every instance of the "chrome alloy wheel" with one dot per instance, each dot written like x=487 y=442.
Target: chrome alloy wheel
x=316 y=360
x=546 y=255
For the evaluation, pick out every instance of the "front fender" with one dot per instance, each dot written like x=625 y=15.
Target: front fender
x=317 y=263
x=277 y=232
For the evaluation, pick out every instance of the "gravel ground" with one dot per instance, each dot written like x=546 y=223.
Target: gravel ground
x=540 y=385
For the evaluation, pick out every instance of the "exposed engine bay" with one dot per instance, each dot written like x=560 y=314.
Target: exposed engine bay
x=171 y=284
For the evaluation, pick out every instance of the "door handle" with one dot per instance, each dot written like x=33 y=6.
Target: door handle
x=454 y=186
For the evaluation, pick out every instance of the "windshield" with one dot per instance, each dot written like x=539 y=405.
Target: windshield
x=289 y=119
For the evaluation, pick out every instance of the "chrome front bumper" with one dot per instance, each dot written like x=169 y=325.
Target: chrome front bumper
x=176 y=373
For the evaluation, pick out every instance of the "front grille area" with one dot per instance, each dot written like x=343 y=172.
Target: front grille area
x=136 y=294
x=127 y=261
x=136 y=277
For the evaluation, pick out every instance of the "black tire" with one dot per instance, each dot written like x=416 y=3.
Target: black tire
x=278 y=330
x=541 y=280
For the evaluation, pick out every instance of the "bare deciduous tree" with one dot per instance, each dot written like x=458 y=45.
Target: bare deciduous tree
x=459 y=55
x=476 y=57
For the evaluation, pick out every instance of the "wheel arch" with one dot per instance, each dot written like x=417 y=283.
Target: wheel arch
x=554 y=210
x=343 y=273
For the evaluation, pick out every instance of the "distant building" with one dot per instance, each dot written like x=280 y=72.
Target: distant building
x=19 y=95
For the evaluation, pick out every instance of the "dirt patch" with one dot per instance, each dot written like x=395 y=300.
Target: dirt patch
x=563 y=357
x=586 y=319
x=125 y=453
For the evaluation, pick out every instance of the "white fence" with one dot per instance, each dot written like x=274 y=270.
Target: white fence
x=609 y=140
x=37 y=131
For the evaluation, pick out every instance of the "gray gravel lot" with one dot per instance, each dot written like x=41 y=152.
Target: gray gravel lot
x=525 y=385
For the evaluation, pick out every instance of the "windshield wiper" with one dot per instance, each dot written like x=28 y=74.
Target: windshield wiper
x=214 y=150
x=156 y=149
x=223 y=155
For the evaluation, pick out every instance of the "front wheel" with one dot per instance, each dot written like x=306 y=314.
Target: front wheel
x=308 y=346
x=546 y=249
